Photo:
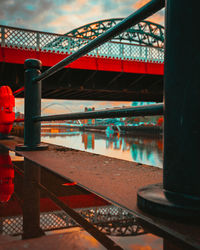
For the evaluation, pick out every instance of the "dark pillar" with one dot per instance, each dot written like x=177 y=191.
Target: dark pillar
x=31 y=201
x=180 y=195
x=182 y=99
x=32 y=106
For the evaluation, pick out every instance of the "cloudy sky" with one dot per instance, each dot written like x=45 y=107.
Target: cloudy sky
x=61 y=16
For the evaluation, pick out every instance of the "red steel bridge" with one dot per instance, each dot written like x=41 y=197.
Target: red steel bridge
x=129 y=67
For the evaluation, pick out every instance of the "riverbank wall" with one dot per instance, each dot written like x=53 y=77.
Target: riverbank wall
x=127 y=130
x=123 y=130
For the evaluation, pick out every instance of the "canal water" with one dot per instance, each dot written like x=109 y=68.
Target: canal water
x=146 y=149
x=35 y=202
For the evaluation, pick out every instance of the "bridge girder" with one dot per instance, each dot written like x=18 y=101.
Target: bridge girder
x=79 y=84
x=144 y=33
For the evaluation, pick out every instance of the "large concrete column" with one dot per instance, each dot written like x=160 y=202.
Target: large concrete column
x=180 y=194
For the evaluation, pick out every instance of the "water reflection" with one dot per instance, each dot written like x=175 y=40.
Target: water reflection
x=31 y=213
x=142 y=149
x=88 y=140
x=6 y=177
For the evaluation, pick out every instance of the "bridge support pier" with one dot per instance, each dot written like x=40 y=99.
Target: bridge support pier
x=32 y=129
x=179 y=195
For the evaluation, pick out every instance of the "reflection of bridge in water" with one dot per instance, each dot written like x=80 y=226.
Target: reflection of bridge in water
x=61 y=125
x=110 y=219
x=106 y=217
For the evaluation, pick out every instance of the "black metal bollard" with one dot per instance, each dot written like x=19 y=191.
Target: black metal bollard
x=179 y=196
x=32 y=107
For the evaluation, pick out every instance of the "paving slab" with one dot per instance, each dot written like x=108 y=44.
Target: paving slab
x=61 y=241
x=116 y=180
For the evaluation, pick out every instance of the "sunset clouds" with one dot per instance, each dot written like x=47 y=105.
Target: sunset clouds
x=61 y=16
x=157 y=18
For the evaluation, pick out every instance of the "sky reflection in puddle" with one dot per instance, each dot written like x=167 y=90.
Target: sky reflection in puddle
x=30 y=207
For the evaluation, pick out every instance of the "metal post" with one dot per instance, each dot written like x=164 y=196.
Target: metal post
x=146 y=53
x=2 y=36
x=180 y=194
x=141 y=52
x=37 y=41
x=32 y=107
x=69 y=45
x=122 y=51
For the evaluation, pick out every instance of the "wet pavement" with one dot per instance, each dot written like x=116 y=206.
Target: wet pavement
x=49 y=211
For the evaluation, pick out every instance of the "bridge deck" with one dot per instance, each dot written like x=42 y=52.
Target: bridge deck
x=124 y=69
x=114 y=179
x=92 y=84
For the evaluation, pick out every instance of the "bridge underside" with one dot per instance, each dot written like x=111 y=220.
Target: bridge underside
x=79 y=84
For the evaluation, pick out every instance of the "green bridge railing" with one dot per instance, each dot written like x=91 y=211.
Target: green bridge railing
x=55 y=43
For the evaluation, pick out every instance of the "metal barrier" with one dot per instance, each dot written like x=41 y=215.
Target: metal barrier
x=33 y=79
x=12 y=37
x=180 y=192
x=148 y=110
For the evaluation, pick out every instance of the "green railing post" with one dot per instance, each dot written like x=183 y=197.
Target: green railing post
x=32 y=106
x=37 y=41
x=179 y=196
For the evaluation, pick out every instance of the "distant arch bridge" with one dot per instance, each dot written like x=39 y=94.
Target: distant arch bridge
x=129 y=67
x=48 y=105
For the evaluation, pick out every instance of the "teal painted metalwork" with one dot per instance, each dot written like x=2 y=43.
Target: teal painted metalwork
x=143 y=42
x=145 y=32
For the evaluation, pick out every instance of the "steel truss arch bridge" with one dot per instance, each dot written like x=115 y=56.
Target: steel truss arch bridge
x=48 y=105
x=145 y=32
x=129 y=67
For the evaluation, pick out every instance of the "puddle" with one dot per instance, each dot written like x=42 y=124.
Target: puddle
x=35 y=202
